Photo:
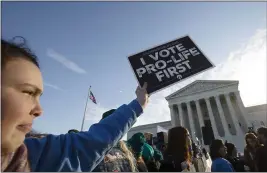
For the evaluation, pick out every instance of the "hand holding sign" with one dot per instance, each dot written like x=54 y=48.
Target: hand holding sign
x=142 y=96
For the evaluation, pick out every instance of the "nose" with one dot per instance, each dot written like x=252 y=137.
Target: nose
x=37 y=110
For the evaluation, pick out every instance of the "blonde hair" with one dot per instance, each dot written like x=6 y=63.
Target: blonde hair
x=128 y=155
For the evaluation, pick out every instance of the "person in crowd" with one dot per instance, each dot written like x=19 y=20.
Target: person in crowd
x=195 y=150
x=31 y=133
x=148 y=152
x=149 y=159
x=158 y=157
x=136 y=144
x=21 y=88
x=231 y=156
x=218 y=152
x=158 y=154
x=73 y=131
x=205 y=153
x=152 y=165
x=177 y=157
x=261 y=153
x=262 y=135
x=197 y=160
x=252 y=145
x=206 y=160
x=163 y=148
x=251 y=130
x=149 y=138
x=119 y=158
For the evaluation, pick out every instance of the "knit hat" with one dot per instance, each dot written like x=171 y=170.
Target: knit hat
x=136 y=143
x=148 y=152
x=106 y=114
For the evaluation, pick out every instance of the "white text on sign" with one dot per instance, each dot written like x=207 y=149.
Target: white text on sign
x=166 y=56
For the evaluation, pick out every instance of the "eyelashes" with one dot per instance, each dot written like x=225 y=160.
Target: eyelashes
x=31 y=93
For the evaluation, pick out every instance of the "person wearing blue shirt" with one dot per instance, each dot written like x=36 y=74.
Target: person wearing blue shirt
x=21 y=88
x=217 y=152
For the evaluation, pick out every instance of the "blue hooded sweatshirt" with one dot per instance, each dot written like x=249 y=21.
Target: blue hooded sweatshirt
x=221 y=165
x=83 y=151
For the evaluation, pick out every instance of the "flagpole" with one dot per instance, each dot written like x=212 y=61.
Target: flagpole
x=85 y=108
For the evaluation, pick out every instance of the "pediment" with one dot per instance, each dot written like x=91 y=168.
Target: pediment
x=200 y=86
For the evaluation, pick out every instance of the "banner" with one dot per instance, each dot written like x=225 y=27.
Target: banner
x=168 y=63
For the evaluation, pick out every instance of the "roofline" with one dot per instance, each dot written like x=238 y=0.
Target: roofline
x=196 y=81
x=148 y=125
x=261 y=105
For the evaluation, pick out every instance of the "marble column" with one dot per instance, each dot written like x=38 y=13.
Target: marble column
x=191 y=121
x=181 y=115
x=233 y=114
x=200 y=119
x=212 y=120
x=173 y=122
x=242 y=108
x=222 y=117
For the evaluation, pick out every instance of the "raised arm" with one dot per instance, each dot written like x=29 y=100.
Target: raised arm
x=85 y=150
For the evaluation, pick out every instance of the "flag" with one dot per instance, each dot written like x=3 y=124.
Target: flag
x=92 y=97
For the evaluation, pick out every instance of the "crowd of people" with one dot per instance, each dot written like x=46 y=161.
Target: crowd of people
x=224 y=155
x=140 y=154
x=100 y=149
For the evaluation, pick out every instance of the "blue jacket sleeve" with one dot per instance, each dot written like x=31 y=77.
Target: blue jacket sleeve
x=85 y=150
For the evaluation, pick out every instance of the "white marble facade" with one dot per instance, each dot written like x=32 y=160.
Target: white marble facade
x=215 y=102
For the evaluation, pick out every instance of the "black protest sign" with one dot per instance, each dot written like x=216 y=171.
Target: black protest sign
x=168 y=63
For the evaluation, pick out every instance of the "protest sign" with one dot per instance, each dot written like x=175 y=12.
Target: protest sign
x=168 y=63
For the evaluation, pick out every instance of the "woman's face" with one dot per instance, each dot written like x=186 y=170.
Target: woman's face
x=21 y=88
x=223 y=151
x=251 y=142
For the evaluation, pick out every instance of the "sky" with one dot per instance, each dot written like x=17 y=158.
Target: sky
x=82 y=44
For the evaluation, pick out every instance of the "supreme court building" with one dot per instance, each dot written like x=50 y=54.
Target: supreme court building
x=210 y=110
